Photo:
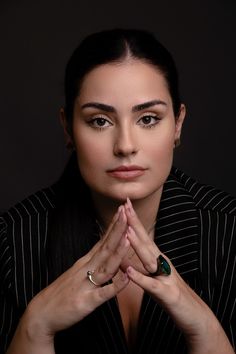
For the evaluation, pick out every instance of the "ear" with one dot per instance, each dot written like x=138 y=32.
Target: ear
x=179 y=122
x=68 y=138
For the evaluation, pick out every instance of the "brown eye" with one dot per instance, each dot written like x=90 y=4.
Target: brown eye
x=99 y=123
x=148 y=121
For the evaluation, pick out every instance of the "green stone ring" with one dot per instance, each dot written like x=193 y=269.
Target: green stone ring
x=163 y=267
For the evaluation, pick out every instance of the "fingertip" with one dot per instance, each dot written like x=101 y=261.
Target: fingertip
x=130 y=230
x=122 y=216
x=129 y=202
x=126 y=241
x=129 y=208
x=130 y=270
x=123 y=280
x=120 y=209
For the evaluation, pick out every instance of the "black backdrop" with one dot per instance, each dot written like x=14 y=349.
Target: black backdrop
x=37 y=38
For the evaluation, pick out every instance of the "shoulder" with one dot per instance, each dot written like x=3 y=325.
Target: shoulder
x=18 y=217
x=37 y=203
x=23 y=230
x=205 y=197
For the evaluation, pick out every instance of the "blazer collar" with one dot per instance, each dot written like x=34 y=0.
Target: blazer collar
x=177 y=227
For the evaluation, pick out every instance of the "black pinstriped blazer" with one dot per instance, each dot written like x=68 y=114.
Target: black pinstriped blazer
x=195 y=229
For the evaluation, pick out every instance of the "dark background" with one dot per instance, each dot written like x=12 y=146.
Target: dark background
x=37 y=38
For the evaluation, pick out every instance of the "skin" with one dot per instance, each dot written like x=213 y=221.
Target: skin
x=123 y=140
x=105 y=140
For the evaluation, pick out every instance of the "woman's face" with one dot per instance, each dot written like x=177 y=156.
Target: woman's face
x=124 y=130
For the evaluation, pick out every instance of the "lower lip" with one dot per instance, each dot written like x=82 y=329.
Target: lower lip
x=126 y=174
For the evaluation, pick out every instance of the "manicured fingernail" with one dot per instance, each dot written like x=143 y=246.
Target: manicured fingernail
x=120 y=212
x=130 y=207
x=126 y=234
x=129 y=203
x=129 y=231
x=127 y=208
x=120 y=208
x=122 y=216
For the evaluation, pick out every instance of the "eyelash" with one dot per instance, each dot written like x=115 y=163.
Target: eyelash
x=93 y=120
x=145 y=126
x=152 y=116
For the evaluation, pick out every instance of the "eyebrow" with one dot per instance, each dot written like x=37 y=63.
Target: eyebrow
x=111 y=109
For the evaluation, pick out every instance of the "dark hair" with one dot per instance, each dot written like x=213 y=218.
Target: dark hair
x=72 y=224
x=114 y=46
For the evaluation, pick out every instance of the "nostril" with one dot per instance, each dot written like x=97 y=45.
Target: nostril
x=124 y=151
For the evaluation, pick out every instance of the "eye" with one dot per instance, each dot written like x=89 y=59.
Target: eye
x=148 y=121
x=100 y=123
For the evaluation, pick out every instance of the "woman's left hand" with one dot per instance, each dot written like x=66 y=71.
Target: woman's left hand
x=192 y=316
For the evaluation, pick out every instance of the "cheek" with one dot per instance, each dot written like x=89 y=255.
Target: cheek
x=162 y=146
x=90 y=155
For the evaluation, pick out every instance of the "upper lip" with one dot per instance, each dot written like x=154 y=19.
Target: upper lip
x=127 y=168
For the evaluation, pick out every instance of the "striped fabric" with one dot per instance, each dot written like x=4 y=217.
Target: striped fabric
x=195 y=229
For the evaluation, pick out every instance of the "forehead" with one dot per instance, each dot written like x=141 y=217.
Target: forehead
x=131 y=79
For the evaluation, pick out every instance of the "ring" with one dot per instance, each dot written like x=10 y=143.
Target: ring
x=163 y=267
x=90 y=278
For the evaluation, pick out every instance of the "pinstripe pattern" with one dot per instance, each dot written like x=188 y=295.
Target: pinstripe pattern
x=196 y=228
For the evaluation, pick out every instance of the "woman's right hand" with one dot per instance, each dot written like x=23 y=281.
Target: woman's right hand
x=72 y=296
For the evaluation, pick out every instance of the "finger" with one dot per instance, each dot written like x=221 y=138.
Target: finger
x=134 y=221
x=114 y=220
x=113 y=238
x=146 y=251
x=101 y=242
x=109 y=267
x=149 y=284
x=102 y=294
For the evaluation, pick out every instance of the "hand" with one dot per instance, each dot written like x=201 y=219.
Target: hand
x=201 y=328
x=72 y=296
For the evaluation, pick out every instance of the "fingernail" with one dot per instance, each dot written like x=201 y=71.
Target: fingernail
x=129 y=230
x=122 y=216
x=120 y=208
x=130 y=208
x=129 y=202
x=120 y=212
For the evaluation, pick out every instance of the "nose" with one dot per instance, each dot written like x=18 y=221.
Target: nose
x=125 y=143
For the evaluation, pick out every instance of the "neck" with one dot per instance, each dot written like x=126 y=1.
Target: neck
x=146 y=209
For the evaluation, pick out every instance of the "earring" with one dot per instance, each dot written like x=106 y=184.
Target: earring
x=177 y=142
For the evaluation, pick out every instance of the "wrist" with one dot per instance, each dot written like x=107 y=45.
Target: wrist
x=29 y=338
x=211 y=339
x=34 y=328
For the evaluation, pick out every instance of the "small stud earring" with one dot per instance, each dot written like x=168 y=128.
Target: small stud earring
x=177 y=142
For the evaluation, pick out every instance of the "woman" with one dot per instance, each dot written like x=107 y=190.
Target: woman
x=138 y=256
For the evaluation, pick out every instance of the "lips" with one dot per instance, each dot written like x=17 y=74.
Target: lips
x=127 y=172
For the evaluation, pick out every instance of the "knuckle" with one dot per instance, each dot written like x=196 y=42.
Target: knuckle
x=118 y=251
x=150 y=266
x=106 y=249
x=104 y=273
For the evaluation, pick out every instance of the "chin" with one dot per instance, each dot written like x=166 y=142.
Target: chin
x=132 y=194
